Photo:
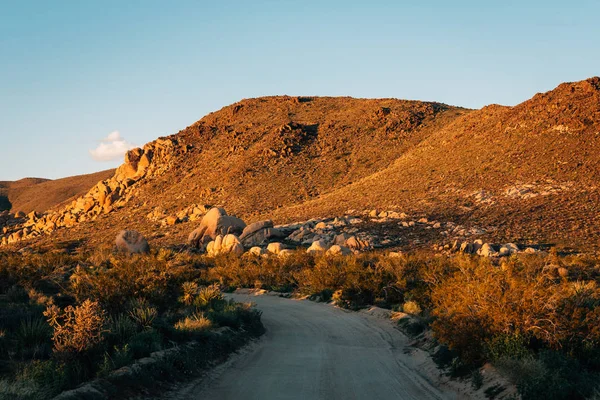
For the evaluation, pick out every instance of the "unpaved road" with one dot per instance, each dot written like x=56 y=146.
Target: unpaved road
x=316 y=351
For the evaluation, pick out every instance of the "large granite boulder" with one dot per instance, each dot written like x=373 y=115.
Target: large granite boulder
x=215 y=222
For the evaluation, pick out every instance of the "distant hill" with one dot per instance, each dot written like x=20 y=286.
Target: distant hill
x=38 y=194
x=529 y=172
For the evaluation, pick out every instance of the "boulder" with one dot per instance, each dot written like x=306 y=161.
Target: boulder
x=275 y=248
x=215 y=222
x=132 y=242
x=466 y=248
x=508 y=249
x=318 y=246
x=259 y=233
x=228 y=244
x=341 y=239
x=171 y=220
x=256 y=251
x=487 y=250
x=355 y=243
x=337 y=250
x=321 y=225
x=477 y=244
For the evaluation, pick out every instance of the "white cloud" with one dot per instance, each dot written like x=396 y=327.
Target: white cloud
x=111 y=148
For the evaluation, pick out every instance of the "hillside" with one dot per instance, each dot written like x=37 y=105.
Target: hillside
x=526 y=173
x=37 y=194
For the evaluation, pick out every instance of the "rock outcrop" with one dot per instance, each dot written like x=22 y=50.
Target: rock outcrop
x=154 y=159
x=215 y=222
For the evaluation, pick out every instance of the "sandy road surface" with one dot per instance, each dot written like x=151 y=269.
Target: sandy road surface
x=316 y=351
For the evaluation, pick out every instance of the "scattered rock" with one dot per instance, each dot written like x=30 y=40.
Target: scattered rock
x=256 y=251
x=275 y=248
x=132 y=242
x=487 y=250
x=355 y=243
x=337 y=250
x=318 y=246
x=171 y=220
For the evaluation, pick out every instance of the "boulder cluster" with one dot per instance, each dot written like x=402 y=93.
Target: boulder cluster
x=153 y=159
x=220 y=233
x=487 y=249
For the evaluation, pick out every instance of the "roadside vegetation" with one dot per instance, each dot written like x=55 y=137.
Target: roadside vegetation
x=65 y=319
x=535 y=317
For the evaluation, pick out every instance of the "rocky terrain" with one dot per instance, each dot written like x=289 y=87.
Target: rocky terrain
x=387 y=173
x=36 y=194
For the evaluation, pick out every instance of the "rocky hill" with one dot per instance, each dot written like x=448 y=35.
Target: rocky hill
x=38 y=194
x=527 y=173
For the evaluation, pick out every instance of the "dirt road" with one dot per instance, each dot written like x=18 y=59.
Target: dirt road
x=316 y=351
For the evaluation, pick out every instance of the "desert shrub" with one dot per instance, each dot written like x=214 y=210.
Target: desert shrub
x=143 y=314
x=102 y=310
x=123 y=277
x=45 y=378
x=411 y=307
x=480 y=302
x=143 y=343
x=507 y=346
x=551 y=375
x=33 y=338
x=120 y=329
x=17 y=294
x=76 y=329
x=195 y=324
x=120 y=357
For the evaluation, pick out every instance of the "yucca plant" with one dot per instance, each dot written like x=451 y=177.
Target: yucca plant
x=122 y=327
x=144 y=316
x=190 y=290
x=33 y=332
x=209 y=297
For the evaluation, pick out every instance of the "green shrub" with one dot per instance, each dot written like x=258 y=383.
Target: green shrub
x=120 y=329
x=17 y=294
x=33 y=338
x=550 y=376
x=143 y=343
x=47 y=377
x=120 y=357
x=507 y=347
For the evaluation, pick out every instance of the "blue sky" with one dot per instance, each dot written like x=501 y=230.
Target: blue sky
x=74 y=72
